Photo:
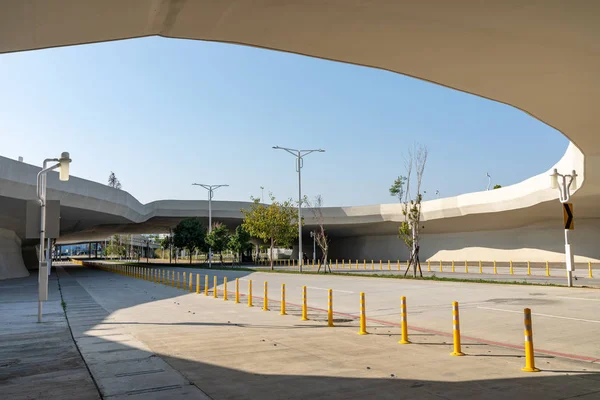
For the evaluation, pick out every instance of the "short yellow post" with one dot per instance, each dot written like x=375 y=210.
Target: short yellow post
x=403 y=322
x=590 y=274
x=215 y=290
x=265 y=298
x=283 y=300
x=456 y=330
x=466 y=267
x=380 y=265
x=336 y=263
x=206 y=285
x=191 y=283
x=529 y=355
x=480 y=267
x=389 y=265
x=197 y=283
x=330 y=308
x=441 y=266
x=225 y=289
x=363 y=315
x=250 y=293
x=428 y=265
x=304 y=309
x=184 y=280
x=398 y=265
x=163 y=277
x=495 y=269
x=343 y=264
x=453 y=266
x=510 y=269
x=528 y=268
x=356 y=263
x=547 y=269
x=178 y=280
x=237 y=290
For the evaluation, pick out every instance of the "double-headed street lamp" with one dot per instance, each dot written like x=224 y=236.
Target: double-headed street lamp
x=44 y=266
x=299 y=154
x=564 y=185
x=211 y=189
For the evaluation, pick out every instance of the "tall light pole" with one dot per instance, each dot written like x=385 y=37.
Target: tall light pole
x=211 y=189
x=299 y=154
x=44 y=266
x=489 y=180
x=564 y=190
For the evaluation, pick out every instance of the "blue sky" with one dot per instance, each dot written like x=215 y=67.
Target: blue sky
x=164 y=113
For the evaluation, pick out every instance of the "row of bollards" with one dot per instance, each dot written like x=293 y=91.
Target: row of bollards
x=172 y=278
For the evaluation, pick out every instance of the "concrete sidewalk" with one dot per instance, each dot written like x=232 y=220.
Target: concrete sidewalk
x=232 y=351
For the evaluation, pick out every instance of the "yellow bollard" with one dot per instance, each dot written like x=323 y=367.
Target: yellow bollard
x=191 y=282
x=283 y=300
x=250 y=293
x=380 y=265
x=304 y=310
x=389 y=265
x=215 y=290
x=480 y=267
x=357 y=264
x=178 y=280
x=529 y=355
x=495 y=269
x=466 y=267
x=453 y=266
x=265 y=299
x=590 y=270
x=197 y=283
x=330 y=308
x=547 y=269
x=336 y=263
x=403 y=321
x=456 y=330
x=428 y=265
x=184 y=280
x=441 y=266
x=510 y=269
x=528 y=268
x=225 y=289
x=237 y=291
x=343 y=264
x=398 y=265
x=206 y=285
x=363 y=315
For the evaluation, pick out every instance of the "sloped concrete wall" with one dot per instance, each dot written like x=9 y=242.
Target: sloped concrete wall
x=11 y=259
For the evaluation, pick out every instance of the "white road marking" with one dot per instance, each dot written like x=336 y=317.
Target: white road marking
x=576 y=298
x=541 y=315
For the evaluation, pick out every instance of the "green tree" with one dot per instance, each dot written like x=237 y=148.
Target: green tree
x=218 y=239
x=113 y=181
x=239 y=242
x=190 y=234
x=397 y=188
x=276 y=223
x=166 y=243
x=115 y=248
x=497 y=186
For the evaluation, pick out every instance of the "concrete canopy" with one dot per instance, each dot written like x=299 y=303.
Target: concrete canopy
x=540 y=57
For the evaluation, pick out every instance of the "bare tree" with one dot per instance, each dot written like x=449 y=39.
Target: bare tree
x=113 y=181
x=321 y=238
x=409 y=230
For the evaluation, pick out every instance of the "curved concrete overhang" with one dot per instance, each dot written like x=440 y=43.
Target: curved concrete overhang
x=539 y=57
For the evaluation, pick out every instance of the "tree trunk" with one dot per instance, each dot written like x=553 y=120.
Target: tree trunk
x=190 y=257
x=272 y=244
x=414 y=250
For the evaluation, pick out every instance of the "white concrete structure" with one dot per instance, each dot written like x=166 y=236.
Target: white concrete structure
x=540 y=57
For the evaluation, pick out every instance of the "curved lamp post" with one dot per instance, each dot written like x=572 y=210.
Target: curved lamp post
x=44 y=267
x=211 y=189
x=564 y=184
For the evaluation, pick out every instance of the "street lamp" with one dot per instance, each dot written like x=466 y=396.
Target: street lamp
x=564 y=190
x=211 y=189
x=44 y=266
x=314 y=236
x=299 y=154
x=489 y=180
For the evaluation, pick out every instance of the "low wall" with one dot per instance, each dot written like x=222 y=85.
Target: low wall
x=11 y=259
x=536 y=243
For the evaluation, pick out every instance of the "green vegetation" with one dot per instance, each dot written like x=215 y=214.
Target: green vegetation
x=497 y=186
x=218 y=239
x=239 y=242
x=275 y=223
x=64 y=305
x=190 y=234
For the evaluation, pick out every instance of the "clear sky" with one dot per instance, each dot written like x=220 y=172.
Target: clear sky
x=164 y=113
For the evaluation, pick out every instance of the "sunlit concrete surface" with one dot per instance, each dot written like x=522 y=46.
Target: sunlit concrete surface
x=538 y=57
x=229 y=350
